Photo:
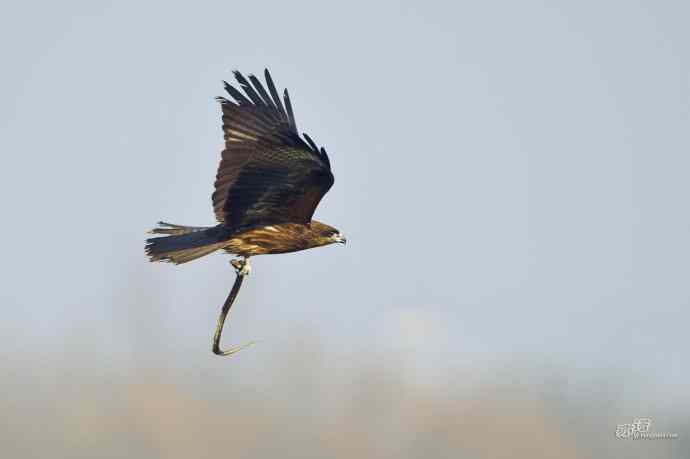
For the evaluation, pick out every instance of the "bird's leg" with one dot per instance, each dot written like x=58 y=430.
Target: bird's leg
x=242 y=266
x=242 y=269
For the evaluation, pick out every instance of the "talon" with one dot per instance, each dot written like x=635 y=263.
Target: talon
x=246 y=269
x=242 y=266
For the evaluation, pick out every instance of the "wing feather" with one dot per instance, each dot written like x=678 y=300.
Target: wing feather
x=288 y=106
x=249 y=90
x=262 y=92
x=275 y=96
x=311 y=143
x=237 y=95
x=277 y=187
x=268 y=174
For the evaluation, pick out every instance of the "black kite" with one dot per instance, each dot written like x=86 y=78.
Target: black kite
x=268 y=185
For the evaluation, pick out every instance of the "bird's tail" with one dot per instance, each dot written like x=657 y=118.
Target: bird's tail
x=183 y=243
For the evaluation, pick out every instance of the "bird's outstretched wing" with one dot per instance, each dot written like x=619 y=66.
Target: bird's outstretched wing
x=268 y=174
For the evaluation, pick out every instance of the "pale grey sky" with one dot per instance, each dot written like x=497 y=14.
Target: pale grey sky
x=512 y=178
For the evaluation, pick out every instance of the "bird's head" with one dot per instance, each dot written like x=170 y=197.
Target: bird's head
x=327 y=234
x=338 y=237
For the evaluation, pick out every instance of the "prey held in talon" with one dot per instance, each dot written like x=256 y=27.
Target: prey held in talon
x=269 y=182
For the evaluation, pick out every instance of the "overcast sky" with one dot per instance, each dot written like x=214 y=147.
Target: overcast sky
x=512 y=179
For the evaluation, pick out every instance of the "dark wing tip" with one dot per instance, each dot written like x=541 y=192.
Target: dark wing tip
x=288 y=106
x=264 y=103
x=276 y=98
x=321 y=152
x=240 y=78
x=311 y=143
x=325 y=157
x=262 y=92
x=223 y=101
x=236 y=94
x=249 y=90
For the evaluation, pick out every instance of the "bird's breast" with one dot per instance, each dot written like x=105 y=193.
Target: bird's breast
x=279 y=238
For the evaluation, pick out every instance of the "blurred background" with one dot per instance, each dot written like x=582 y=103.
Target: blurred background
x=512 y=178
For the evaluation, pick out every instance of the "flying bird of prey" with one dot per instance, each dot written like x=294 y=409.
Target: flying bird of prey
x=267 y=187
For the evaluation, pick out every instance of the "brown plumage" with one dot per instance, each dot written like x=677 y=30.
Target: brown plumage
x=269 y=182
x=268 y=185
x=280 y=238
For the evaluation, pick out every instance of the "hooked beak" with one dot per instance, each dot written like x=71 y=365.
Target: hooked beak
x=339 y=238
